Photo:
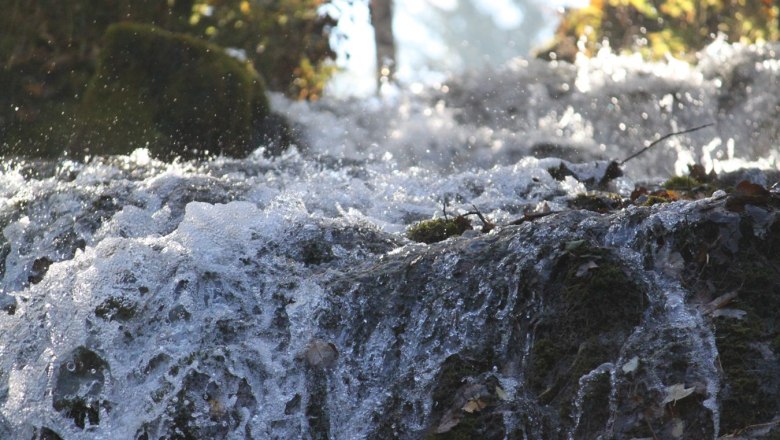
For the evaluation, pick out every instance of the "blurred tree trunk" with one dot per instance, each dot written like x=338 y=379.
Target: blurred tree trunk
x=382 y=21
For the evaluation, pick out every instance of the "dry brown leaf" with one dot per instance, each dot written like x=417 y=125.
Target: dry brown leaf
x=747 y=193
x=474 y=405
x=320 y=353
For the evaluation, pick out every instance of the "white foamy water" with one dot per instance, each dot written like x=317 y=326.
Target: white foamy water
x=147 y=293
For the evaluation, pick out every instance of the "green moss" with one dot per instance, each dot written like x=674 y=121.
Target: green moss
x=745 y=401
x=655 y=200
x=432 y=231
x=456 y=371
x=601 y=202
x=681 y=183
x=171 y=93
x=725 y=259
x=591 y=306
x=545 y=353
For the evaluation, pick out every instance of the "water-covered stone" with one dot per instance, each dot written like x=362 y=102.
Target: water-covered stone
x=280 y=298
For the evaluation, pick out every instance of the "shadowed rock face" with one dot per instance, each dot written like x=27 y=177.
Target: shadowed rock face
x=576 y=326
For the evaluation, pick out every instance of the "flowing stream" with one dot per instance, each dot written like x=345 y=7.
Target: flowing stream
x=279 y=298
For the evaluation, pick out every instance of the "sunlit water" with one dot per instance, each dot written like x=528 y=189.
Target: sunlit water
x=146 y=292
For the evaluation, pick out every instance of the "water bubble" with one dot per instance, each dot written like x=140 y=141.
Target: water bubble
x=71 y=366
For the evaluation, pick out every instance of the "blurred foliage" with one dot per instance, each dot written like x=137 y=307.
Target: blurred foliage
x=49 y=51
x=276 y=35
x=657 y=28
x=285 y=39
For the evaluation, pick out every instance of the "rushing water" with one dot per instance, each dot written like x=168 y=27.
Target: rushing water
x=254 y=298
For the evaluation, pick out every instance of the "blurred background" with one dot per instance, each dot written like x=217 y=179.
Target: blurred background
x=307 y=48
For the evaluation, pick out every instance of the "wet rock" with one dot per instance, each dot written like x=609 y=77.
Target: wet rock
x=601 y=335
x=39 y=268
x=46 y=434
x=120 y=309
x=78 y=391
x=7 y=303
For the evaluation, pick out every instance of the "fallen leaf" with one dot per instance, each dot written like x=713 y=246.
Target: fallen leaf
x=449 y=421
x=638 y=192
x=719 y=302
x=747 y=193
x=474 y=405
x=631 y=365
x=501 y=393
x=729 y=313
x=585 y=268
x=677 y=392
x=319 y=353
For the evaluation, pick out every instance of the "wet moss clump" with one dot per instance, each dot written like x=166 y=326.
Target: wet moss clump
x=591 y=307
x=464 y=380
x=692 y=188
x=681 y=183
x=433 y=231
x=171 y=93
x=601 y=202
x=731 y=258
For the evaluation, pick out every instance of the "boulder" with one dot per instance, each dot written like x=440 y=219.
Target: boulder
x=171 y=93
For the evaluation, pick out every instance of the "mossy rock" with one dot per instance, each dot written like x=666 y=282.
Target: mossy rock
x=593 y=306
x=171 y=93
x=681 y=183
x=731 y=257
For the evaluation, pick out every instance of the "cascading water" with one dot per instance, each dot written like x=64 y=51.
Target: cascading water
x=278 y=298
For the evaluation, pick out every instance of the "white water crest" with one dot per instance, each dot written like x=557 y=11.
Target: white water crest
x=150 y=297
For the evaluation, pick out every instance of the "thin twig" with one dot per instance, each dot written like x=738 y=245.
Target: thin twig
x=478 y=214
x=664 y=137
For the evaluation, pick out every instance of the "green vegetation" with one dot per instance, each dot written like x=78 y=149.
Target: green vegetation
x=171 y=93
x=432 y=231
x=592 y=306
x=457 y=373
x=657 y=28
x=681 y=183
x=50 y=52
x=722 y=261
x=597 y=201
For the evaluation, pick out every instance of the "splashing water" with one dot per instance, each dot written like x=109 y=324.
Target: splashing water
x=278 y=298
